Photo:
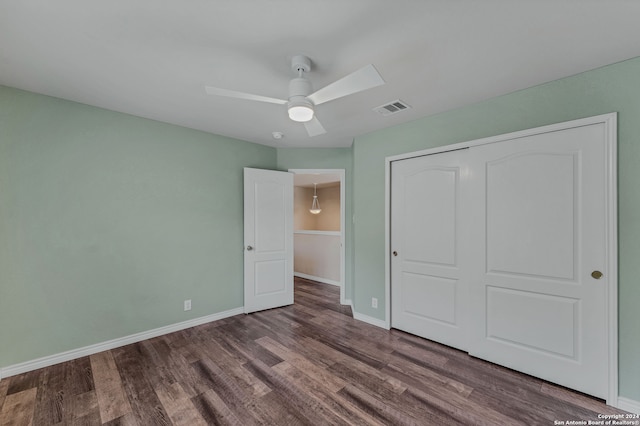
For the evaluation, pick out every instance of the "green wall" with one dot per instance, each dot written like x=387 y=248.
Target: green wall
x=330 y=158
x=608 y=89
x=109 y=221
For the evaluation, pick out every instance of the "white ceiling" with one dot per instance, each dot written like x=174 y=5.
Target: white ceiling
x=153 y=58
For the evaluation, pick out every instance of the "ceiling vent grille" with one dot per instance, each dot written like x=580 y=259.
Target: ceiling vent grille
x=392 y=107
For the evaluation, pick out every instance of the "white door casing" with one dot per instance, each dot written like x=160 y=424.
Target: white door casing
x=268 y=239
x=544 y=208
x=429 y=255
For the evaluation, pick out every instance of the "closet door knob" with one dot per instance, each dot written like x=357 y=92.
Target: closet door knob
x=249 y=248
x=596 y=274
x=395 y=253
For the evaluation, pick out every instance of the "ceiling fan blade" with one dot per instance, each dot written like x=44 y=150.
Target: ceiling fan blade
x=314 y=127
x=363 y=79
x=241 y=95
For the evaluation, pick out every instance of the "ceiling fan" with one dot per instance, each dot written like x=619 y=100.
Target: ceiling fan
x=301 y=101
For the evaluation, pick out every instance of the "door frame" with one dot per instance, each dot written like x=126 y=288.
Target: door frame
x=611 y=212
x=341 y=173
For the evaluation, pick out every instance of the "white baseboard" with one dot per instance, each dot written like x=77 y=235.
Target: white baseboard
x=314 y=278
x=369 y=320
x=348 y=302
x=629 y=405
x=46 y=361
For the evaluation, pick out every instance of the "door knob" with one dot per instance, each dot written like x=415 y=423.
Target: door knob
x=596 y=274
x=249 y=248
x=395 y=253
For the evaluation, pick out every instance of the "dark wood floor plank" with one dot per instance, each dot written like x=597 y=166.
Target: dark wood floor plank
x=110 y=392
x=181 y=362
x=576 y=398
x=18 y=408
x=525 y=408
x=179 y=339
x=82 y=409
x=477 y=373
x=132 y=364
x=462 y=409
x=50 y=401
x=230 y=392
x=363 y=369
x=358 y=339
x=309 y=363
x=234 y=340
x=427 y=357
x=215 y=412
x=352 y=327
x=273 y=409
x=320 y=374
x=126 y=420
x=277 y=325
x=380 y=408
x=298 y=401
x=214 y=351
x=178 y=405
x=4 y=387
x=78 y=376
x=344 y=344
x=90 y=419
x=302 y=311
x=421 y=378
x=295 y=342
x=381 y=388
x=428 y=345
x=340 y=407
x=315 y=295
x=25 y=381
x=311 y=301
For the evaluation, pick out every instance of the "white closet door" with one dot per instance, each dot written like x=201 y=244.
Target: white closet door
x=539 y=205
x=427 y=212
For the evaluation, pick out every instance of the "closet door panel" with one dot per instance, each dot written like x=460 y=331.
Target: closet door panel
x=429 y=209
x=539 y=202
x=428 y=288
x=530 y=202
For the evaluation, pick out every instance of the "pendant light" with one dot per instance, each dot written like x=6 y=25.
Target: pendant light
x=315 y=205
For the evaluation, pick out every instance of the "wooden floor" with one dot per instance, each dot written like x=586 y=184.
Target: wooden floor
x=309 y=363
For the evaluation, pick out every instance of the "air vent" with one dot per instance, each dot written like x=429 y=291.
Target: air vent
x=392 y=107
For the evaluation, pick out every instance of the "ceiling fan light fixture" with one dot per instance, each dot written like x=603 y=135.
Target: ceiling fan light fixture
x=300 y=110
x=300 y=114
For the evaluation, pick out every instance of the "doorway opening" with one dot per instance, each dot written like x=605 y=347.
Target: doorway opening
x=319 y=238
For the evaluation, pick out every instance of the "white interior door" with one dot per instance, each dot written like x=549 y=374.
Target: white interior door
x=268 y=239
x=428 y=262
x=539 y=296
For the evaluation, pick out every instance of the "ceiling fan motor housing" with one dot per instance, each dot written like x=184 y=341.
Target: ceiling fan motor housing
x=300 y=108
x=299 y=86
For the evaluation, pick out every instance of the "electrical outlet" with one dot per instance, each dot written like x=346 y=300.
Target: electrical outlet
x=187 y=305
x=374 y=302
